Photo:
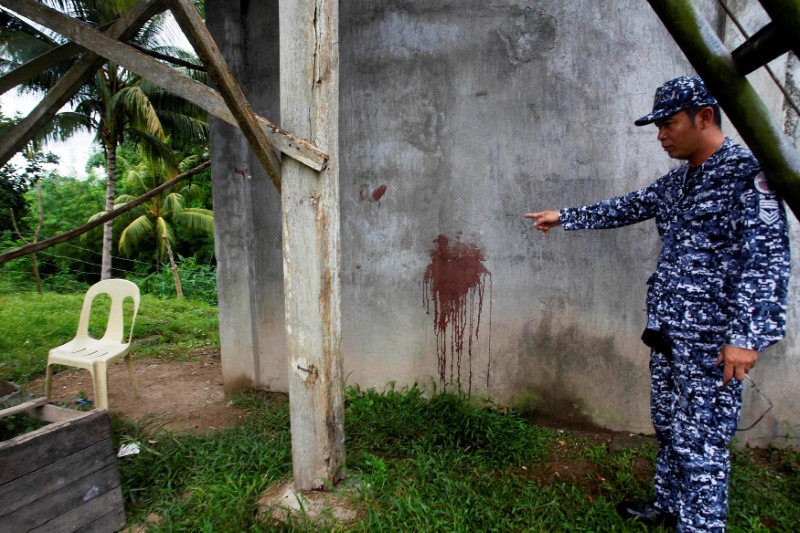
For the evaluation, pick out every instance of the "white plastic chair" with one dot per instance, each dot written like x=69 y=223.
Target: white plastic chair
x=95 y=354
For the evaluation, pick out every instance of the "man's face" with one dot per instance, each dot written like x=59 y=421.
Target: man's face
x=679 y=136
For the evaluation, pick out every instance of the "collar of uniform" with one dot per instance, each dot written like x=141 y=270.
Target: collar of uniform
x=716 y=158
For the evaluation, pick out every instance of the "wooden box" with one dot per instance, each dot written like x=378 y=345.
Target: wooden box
x=60 y=477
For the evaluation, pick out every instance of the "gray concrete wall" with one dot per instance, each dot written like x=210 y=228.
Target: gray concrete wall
x=247 y=206
x=456 y=118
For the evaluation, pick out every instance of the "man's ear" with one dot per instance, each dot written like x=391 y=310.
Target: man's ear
x=706 y=116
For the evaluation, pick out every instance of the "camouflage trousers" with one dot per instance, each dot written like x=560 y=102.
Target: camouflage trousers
x=695 y=418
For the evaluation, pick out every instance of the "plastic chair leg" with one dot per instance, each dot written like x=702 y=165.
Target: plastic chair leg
x=100 y=379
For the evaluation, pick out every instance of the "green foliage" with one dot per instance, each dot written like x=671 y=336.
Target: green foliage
x=13 y=186
x=33 y=323
x=154 y=222
x=198 y=281
x=114 y=103
x=66 y=203
x=766 y=498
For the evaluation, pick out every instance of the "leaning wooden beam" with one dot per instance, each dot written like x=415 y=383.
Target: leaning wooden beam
x=196 y=32
x=53 y=57
x=178 y=62
x=163 y=76
x=110 y=215
x=125 y=27
x=38 y=64
x=309 y=65
x=741 y=103
x=786 y=15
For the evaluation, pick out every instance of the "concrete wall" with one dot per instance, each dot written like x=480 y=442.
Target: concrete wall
x=456 y=118
x=247 y=206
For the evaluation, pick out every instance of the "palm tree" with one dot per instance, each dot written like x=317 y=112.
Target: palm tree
x=155 y=221
x=117 y=104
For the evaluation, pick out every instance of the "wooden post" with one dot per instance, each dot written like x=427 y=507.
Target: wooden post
x=309 y=65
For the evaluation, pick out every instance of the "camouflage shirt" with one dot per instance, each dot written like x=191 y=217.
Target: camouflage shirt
x=724 y=264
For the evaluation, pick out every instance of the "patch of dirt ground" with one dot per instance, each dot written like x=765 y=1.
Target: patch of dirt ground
x=182 y=396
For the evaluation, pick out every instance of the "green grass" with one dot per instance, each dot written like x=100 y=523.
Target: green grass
x=33 y=323
x=443 y=464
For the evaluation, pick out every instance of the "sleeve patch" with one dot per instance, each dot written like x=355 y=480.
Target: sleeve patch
x=763 y=185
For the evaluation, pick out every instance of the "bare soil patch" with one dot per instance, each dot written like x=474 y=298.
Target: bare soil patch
x=182 y=396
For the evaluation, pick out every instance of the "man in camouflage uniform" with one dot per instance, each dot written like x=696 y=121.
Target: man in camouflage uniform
x=716 y=299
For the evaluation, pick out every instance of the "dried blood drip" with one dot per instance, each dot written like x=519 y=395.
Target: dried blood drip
x=454 y=283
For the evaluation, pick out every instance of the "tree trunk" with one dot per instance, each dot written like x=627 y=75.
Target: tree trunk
x=36 y=236
x=111 y=193
x=23 y=239
x=175 y=275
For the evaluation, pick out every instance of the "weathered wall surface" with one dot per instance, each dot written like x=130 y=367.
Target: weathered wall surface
x=247 y=206
x=456 y=118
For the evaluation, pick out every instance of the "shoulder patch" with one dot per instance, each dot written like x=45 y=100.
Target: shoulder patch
x=762 y=184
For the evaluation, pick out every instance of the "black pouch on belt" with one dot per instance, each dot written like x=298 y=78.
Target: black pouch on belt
x=656 y=340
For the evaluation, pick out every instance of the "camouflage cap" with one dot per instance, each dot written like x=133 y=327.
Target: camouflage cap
x=677 y=95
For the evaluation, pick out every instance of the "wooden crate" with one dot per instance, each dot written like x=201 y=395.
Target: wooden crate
x=61 y=477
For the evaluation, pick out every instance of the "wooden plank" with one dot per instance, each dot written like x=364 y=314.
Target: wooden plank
x=712 y=61
x=51 y=478
x=309 y=67
x=124 y=28
x=92 y=516
x=31 y=451
x=196 y=32
x=23 y=407
x=54 y=413
x=69 y=497
x=163 y=76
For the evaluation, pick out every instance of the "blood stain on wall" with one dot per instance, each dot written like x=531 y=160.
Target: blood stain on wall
x=375 y=195
x=378 y=193
x=454 y=285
